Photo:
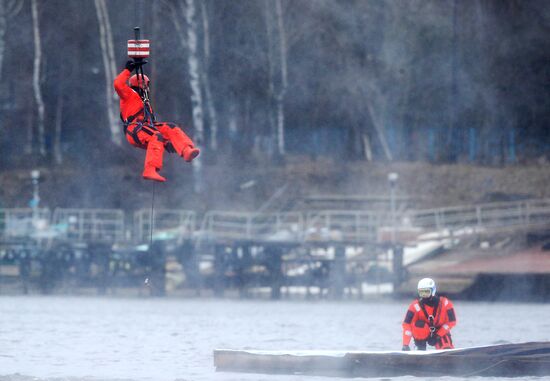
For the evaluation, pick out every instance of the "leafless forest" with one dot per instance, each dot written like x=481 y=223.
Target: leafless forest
x=257 y=81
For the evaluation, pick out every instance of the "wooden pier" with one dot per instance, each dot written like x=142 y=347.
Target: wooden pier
x=328 y=253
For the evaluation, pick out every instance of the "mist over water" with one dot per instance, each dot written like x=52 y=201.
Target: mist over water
x=47 y=338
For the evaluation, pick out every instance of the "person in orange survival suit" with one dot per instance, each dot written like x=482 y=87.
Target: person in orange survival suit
x=429 y=319
x=142 y=130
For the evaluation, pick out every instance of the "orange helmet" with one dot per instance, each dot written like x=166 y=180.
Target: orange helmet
x=138 y=82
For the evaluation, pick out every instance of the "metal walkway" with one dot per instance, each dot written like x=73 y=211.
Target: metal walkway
x=114 y=226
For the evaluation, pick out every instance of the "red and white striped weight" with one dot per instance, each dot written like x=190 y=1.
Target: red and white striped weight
x=138 y=48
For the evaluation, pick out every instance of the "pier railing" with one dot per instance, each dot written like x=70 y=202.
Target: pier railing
x=490 y=215
x=22 y=222
x=243 y=226
x=89 y=225
x=342 y=225
x=108 y=225
x=167 y=224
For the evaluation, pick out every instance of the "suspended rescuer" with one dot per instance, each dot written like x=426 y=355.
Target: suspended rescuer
x=429 y=319
x=140 y=127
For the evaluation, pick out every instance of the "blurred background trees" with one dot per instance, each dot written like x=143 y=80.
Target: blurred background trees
x=439 y=81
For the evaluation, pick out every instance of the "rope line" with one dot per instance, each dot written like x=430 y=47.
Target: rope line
x=147 y=281
x=152 y=221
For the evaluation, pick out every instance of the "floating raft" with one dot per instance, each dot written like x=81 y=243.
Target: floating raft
x=506 y=360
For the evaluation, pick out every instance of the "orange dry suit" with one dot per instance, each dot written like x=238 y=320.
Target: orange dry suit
x=142 y=131
x=430 y=321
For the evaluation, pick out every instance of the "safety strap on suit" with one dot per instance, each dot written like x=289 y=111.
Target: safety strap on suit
x=431 y=318
x=148 y=128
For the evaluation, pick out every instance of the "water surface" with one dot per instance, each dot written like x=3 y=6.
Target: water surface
x=88 y=338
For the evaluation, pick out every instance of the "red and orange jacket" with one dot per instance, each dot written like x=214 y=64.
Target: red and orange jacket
x=131 y=103
x=443 y=313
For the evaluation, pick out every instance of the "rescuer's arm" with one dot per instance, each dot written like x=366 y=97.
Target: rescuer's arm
x=449 y=318
x=122 y=89
x=407 y=328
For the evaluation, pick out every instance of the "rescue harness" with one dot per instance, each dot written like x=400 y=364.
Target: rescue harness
x=147 y=124
x=431 y=318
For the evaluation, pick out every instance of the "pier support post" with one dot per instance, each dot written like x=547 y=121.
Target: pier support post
x=219 y=270
x=25 y=270
x=338 y=272
x=244 y=263
x=157 y=265
x=188 y=258
x=274 y=265
x=398 y=269
x=101 y=257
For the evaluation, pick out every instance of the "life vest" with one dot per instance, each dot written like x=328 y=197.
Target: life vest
x=424 y=321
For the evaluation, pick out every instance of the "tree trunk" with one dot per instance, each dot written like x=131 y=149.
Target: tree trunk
x=270 y=63
x=27 y=149
x=366 y=147
x=277 y=81
x=195 y=85
x=282 y=90
x=211 y=108
x=8 y=9
x=57 y=152
x=379 y=128
x=108 y=55
x=36 y=78
x=3 y=26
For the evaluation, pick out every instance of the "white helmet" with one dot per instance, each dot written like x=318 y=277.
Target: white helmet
x=426 y=288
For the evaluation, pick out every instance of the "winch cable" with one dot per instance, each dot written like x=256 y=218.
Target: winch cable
x=148 y=118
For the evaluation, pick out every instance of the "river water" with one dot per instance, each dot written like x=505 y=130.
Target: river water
x=89 y=338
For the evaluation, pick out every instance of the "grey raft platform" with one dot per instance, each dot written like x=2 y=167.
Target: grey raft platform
x=505 y=360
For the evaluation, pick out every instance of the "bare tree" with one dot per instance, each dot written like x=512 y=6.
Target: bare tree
x=270 y=63
x=195 y=84
x=209 y=100
x=194 y=70
x=277 y=53
x=8 y=9
x=57 y=153
x=189 y=41
x=376 y=118
x=108 y=54
x=36 y=78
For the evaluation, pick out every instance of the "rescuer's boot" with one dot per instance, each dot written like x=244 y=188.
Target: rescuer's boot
x=150 y=173
x=153 y=160
x=179 y=140
x=189 y=153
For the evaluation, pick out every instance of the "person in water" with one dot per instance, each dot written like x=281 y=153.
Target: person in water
x=429 y=319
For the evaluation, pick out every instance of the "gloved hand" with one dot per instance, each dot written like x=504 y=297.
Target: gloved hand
x=405 y=348
x=130 y=65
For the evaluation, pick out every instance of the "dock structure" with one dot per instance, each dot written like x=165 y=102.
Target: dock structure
x=332 y=253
